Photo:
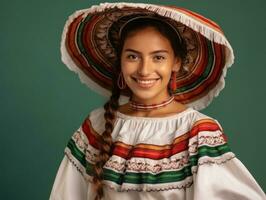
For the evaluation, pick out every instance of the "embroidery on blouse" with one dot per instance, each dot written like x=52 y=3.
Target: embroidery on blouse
x=126 y=173
x=138 y=165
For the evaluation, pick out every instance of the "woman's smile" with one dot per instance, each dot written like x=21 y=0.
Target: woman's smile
x=146 y=83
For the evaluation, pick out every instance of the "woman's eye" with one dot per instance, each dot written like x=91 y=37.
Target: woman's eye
x=132 y=57
x=159 y=58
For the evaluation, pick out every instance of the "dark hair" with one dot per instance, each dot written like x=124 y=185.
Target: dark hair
x=160 y=24
x=112 y=104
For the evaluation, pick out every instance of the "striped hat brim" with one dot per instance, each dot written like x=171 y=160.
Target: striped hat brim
x=90 y=35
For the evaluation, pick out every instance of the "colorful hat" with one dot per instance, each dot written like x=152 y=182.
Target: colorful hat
x=90 y=36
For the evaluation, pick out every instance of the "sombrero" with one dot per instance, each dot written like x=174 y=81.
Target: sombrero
x=90 y=35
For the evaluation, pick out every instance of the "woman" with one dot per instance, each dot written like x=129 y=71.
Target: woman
x=169 y=62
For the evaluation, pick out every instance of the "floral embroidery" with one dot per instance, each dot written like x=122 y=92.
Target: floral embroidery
x=165 y=167
x=140 y=166
x=91 y=157
x=206 y=140
x=211 y=140
x=77 y=137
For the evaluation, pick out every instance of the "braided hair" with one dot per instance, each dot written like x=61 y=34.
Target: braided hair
x=105 y=140
x=112 y=105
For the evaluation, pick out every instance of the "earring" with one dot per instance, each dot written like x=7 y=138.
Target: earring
x=121 y=82
x=173 y=82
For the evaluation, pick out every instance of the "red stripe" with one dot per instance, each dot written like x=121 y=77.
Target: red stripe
x=81 y=61
x=160 y=154
x=209 y=83
x=73 y=50
x=201 y=65
x=91 y=135
x=70 y=42
x=127 y=151
x=91 y=48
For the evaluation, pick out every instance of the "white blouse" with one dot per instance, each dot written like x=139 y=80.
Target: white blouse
x=180 y=157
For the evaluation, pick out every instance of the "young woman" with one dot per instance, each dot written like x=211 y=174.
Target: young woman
x=161 y=64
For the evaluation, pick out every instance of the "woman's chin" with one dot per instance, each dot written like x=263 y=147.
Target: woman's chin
x=145 y=97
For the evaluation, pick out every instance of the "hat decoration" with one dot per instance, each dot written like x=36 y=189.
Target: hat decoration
x=90 y=38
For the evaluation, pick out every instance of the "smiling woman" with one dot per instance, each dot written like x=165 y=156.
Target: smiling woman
x=149 y=56
x=170 y=62
x=147 y=68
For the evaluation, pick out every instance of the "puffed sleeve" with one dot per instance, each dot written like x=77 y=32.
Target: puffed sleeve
x=69 y=184
x=73 y=180
x=217 y=173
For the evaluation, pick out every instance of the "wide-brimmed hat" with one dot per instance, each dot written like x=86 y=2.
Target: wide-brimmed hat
x=90 y=36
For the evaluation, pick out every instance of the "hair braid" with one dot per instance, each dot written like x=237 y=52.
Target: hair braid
x=105 y=140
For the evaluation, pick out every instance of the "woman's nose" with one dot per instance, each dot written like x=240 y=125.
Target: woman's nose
x=145 y=67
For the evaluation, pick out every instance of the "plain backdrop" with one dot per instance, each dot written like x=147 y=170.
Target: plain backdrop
x=43 y=103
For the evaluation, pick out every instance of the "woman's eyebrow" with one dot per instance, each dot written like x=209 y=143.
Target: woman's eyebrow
x=132 y=50
x=159 y=51
x=153 y=52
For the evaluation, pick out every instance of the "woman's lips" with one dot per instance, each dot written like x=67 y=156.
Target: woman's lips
x=146 y=83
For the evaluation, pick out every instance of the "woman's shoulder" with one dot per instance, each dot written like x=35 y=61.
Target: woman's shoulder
x=89 y=128
x=199 y=118
x=95 y=120
x=96 y=112
x=86 y=136
x=189 y=119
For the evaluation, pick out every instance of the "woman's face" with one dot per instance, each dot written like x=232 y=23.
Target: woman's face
x=147 y=61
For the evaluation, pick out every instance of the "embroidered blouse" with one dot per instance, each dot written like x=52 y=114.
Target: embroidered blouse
x=184 y=156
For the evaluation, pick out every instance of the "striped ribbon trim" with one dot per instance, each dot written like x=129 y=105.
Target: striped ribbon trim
x=180 y=144
x=155 y=152
x=150 y=178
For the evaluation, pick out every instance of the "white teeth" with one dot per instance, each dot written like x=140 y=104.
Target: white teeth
x=146 y=81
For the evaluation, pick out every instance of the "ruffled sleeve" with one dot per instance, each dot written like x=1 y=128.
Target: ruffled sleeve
x=217 y=173
x=73 y=178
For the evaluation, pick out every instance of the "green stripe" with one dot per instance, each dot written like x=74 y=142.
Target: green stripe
x=149 y=178
x=209 y=151
x=79 y=155
x=141 y=178
x=205 y=74
x=85 y=53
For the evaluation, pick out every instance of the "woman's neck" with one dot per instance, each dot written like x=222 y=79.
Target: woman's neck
x=153 y=100
x=171 y=109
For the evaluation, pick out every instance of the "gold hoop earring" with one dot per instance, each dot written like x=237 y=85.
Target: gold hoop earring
x=121 y=82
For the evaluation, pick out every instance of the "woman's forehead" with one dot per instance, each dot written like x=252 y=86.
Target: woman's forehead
x=147 y=38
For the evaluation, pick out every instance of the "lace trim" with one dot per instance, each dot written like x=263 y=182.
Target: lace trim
x=141 y=166
x=125 y=187
x=144 y=166
x=149 y=187
x=84 y=146
x=77 y=137
x=136 y=165
x=217 y=160
x=211 y=141
x=77 y=165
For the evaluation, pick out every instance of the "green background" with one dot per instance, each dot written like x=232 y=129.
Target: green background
x=43 y=103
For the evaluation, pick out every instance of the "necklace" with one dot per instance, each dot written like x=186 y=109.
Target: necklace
x=139 y=106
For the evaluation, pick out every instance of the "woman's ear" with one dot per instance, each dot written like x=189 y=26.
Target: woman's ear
x=177 y=64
